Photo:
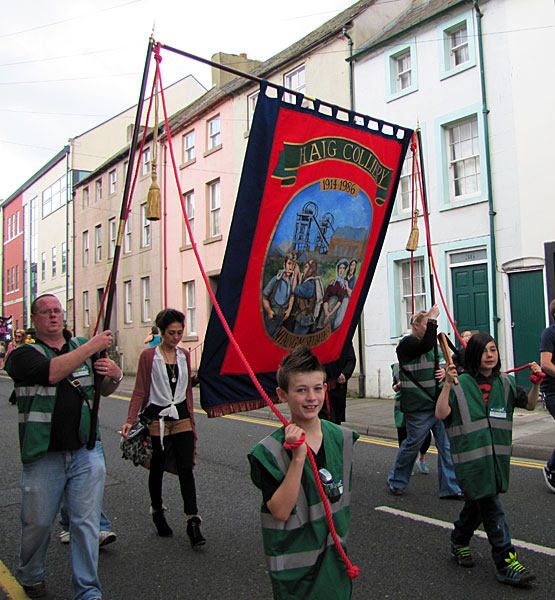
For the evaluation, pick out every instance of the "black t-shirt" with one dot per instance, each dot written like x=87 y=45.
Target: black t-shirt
x=485 y=383
x=263 y=479
x=547 y=344
x=26 y=365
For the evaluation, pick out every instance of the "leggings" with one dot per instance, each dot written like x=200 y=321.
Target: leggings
x=182 y=445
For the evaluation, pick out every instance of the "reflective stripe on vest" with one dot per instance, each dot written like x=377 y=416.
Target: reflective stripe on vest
x=35 y=417
x=299 y=559
x=304 y=512
x=482 y=452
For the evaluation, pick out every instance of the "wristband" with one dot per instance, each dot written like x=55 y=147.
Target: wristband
x=118 y=380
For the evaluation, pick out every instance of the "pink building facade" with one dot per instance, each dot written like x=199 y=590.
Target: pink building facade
x=12 y=263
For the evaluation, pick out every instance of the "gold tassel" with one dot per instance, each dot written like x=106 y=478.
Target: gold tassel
x=412 y=244
x=153 y=212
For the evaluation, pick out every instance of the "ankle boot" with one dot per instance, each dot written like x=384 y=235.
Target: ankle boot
x=193 y=531
x=164 y=530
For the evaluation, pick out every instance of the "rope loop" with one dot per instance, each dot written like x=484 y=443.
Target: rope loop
x=294 y=445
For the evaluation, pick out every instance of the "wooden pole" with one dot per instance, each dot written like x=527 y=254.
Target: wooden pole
x=117 y=251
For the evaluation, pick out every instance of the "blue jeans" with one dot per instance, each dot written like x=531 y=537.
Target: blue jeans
x=490 y=512
x=418 y=425
x=550 y=405
x=77 y=476
x=105 y=524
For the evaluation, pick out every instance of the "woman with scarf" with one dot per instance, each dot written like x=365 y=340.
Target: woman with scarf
x=163 y=395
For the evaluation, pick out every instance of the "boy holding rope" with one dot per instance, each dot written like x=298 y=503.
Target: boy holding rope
x=302 y=559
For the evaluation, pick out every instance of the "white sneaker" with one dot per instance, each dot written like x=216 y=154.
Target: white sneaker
x=106 y=537
x=64 y=537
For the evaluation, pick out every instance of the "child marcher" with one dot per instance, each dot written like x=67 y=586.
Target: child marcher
x=478 y=414
x=294 y=525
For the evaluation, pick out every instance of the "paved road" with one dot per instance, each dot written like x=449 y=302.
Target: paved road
x=400 y=552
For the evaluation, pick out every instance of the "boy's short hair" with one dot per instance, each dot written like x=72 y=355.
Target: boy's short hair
x=300 y=360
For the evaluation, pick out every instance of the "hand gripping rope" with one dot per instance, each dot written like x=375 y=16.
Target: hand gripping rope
x=352 y=570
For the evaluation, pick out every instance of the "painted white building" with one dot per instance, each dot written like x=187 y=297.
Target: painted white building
x=489 y=194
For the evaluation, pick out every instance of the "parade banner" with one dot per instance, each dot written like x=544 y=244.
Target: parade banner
x=315 y=198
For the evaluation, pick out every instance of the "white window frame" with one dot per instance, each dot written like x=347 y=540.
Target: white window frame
x=63 y=258
x=463 y=156
x=190 y=308
x=112 y=237
x=43 y=266
x=145 y=161
x=189 y=200
x=403 y=75
x=214 y=209
x=458 y=48
x=145 y=299
x=54 y=265
x=405 y=289
x=189 y=147
x=98 y=243
x=85 y=242
x=86 y=310
x=54 y=196
x=98 y=190
x=403 y=201
x=252 y=100
x=295 y=80
x=127 y=236
x=397 y=72
x=445 y=32
x=145 y=228
x=213 y=133
x=112 y=181
x=127 y=301
x=86 y=197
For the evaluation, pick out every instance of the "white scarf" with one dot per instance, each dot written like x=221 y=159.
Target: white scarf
x=160 y=390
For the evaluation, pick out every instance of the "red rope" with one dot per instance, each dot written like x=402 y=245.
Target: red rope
x=352 y=570
x=432 y=262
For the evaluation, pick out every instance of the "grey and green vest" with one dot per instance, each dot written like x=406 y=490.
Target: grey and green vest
x=302 y=559
x=36 y=405
x=413 y=399
x=480 y=435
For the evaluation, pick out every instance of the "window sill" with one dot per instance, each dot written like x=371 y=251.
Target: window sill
x=187 y=164
x=456 y=70
x=401 y=94
x=217 y=238
x=463 y=202
x=190 y=338
x=185 y=247
x=400 y=217
x=212 y=150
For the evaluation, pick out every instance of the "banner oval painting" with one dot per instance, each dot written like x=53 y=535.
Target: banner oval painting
x=313 y=262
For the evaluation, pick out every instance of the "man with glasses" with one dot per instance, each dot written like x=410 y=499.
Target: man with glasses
x=54 y=385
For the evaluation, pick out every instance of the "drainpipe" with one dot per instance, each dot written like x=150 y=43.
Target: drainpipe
x=69 y=194
x=485 y=112
x=360 y=329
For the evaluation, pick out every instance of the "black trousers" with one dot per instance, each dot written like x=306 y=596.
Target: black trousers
x=182 y=445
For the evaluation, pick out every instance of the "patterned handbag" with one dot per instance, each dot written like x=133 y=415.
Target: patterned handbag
x=138 y=445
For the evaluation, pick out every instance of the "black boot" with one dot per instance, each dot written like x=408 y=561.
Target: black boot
x=164 y=530
x=193 y=531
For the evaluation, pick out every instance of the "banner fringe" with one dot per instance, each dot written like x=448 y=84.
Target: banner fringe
x=237 y=407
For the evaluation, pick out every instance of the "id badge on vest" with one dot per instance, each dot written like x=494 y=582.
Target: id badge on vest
x=82 y=371
x=498 y=412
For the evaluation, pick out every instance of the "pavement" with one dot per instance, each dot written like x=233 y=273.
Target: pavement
x=533 y=431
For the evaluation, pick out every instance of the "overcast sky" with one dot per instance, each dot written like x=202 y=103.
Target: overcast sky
x=67 y=65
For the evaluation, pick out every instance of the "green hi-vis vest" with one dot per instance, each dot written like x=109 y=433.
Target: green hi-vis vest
x=480 y=435
x=302 y=559
x=398 y=416
x=36 y=405
x=413 y=399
